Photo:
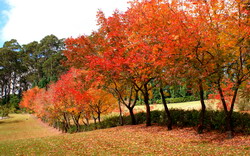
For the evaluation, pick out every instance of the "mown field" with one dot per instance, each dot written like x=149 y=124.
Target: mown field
x=23 y=126
x=142 y=108
x=25 y=135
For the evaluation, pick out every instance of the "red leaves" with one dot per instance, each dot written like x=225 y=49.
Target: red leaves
x=28 y=99
x=228 y=90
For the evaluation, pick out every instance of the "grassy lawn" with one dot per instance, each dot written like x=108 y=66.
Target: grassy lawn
x=30 y=137
x=23 y=126
x=185 y=105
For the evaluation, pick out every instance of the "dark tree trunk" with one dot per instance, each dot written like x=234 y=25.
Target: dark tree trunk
x=85 y=123
x=95 y=122
x=169 y=123
x=229 y=127
x=203 y=109
x=76 y=122
x=146 y=100
x=66 y=124
x=229 y=122
x=99 y=117
x=132 y=115
x=120 y=112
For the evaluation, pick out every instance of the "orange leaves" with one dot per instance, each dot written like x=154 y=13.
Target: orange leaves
x=228 y=90
x=67 y=95
x=28 y=98
x=101 y=101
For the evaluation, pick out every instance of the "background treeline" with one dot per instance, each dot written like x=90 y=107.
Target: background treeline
x=26 y=66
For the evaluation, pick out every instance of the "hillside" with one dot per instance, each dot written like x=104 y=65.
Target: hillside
x=123 y=140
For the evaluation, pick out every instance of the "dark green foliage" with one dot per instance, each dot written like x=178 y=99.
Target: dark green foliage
x=181 y=118
x=241 y=122
x=44 y=59
x=43 y=82
x=5 y=110
x=11 y=70
x=14 y=101
x=36 y=63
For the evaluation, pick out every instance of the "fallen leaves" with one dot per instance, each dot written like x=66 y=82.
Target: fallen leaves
x=130 y=140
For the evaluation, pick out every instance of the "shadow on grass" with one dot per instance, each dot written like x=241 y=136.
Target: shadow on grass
x=10 y=122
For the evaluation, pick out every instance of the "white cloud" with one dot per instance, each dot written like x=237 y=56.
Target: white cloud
x=31 y=20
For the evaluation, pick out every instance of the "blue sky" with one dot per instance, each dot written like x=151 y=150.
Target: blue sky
x=3 y=18
x=31 y=20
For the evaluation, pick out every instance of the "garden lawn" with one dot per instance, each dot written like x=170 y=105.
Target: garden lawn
x=124 y=140
x=23 y=126
x=184 y=105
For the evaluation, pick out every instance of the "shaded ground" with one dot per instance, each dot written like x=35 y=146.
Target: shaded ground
x=126 y=140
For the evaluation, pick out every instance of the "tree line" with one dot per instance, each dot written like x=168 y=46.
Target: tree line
x=29 y=65
x=154 y=44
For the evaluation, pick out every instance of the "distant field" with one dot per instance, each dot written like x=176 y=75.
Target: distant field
x=184 y=105
x=29 y=137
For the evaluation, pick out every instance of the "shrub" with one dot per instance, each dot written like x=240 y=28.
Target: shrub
x=112 y=121
x=214 y=120
x=4 y=111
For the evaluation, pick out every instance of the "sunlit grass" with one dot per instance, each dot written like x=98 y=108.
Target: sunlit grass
x=129 y=140
x=22 y=126
x=24 y=135
x=184 y=105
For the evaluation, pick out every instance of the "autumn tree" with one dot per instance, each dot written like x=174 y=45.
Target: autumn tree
x=101 y=103
x=71 y=97
x=29 y=98
x=221 y=51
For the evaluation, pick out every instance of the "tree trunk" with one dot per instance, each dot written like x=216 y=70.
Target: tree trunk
x=99 y=117
x=76 y=122
x=229 y=127
x=169 y=123
x=85 y=123
x=229 y=121
x=87 y=120
x=120 y=112
x=132 y=116
x=203 y=109
x=14 y=84
x=95 y=122
x=5 y=94
x=229 y=124
x=66 y=124
x=146 y=100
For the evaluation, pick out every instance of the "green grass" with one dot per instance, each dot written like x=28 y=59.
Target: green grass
x=123 y=140
x=22 y=126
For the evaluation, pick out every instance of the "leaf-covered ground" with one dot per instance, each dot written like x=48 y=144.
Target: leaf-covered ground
x=129 y=140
